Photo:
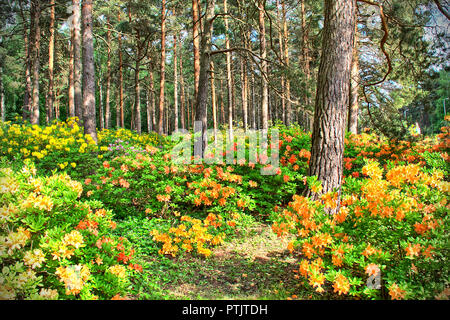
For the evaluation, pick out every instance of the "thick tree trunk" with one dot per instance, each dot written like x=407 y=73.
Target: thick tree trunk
x=89 y=119
x=354 y=88
x=202 y=98
x=162 y=82
x=332 y=95
x=51 y=51
x=34 y=116
x=263 y=53
x=77 y=63
x=108 y=77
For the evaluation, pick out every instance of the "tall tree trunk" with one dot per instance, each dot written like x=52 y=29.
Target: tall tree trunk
x=51 y=51
x=332 y=95
x=175 y=82
x=152 y=97
x=305 y=52
x=282 y=80
x=162 y=82
x=120 y=112
x=108 y=77
x=89 y=119
x=263 y=53
x=77 y=63
x=205 y=58
x=182 y=97
x=2 y=97
x=244 y=93
x=229 y=74
x=213 y=100
x=222 y=104
x=100 y=104
x=253 y=100
x=28 y=52
x=34 y=117
x=354 y=88
x=196 y=44
x=71 y=93
x=287 y=91
x=137 y=97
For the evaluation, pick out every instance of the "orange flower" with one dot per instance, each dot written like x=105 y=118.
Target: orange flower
x=396 y=293
x=341 y=284
x=308 y=250
x=87 y=181
x=336 y=260
x=372 y=269
x=168 y=189
x=413 y=250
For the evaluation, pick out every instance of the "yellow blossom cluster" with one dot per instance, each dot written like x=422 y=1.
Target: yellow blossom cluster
x=185 y=237
x=74 y=277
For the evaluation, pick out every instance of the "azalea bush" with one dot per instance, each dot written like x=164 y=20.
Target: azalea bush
x=64 y=147
x=388 y=240
x=54 y=245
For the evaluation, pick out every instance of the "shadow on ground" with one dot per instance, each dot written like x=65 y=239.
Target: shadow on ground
x=254 y=266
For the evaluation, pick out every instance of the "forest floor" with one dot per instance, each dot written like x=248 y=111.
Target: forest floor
x=255 y=264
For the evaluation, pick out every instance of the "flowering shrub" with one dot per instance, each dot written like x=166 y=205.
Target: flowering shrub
x=53 y=245
x=63 y=146
x=392 y=225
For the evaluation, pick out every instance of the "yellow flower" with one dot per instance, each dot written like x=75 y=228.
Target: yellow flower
x=118 y=270
x=34 y=258
x=74 y=238
x=73 y=164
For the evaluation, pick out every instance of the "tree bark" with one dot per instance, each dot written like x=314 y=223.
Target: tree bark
x=287 y=89
x=100 y=104
x=163 y=68
x=175 y=82
x=263 y=53
x=305 y=58
x=152 y=97
x=196 y=44
x=108 y=77
x=89 y=119
x=2 y=97
x=213 y=100
x=77 y=63
x=71 y=93
x=120 y=112
x=332 y=95
x=51 y=51
x=28 y=52
x=354 y=89
x=182 y=97
x=34 y=116
x=202 y=98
